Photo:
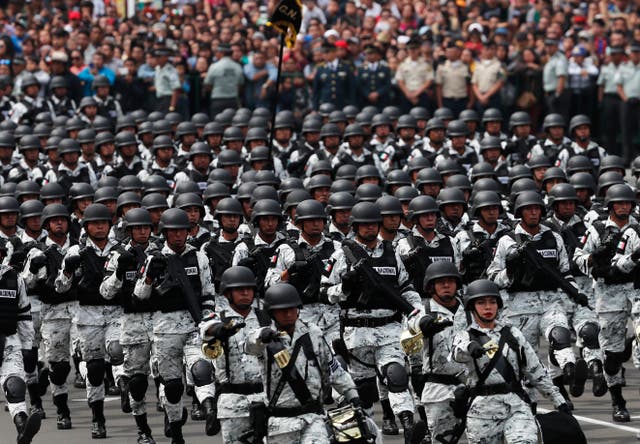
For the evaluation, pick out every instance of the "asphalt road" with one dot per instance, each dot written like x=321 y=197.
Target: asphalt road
x=594 y=415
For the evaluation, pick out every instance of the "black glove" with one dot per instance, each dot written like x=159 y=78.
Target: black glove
x=71 y=263
x=126 y=262
x=581 y=299
x=410 y=260
x=635 y=256
x=249 y=262
x=157 y=267
x=475 y=349
x=37 y=262
x=350 y=281
x=226 y=330
x=429 y=325
x=513 y=261
x=471 y=254
x=600 y=253
x=267 y=335
x=356 y=402
x=564 y=408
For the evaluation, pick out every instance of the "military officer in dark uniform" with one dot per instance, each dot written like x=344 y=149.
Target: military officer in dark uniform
x=374 y=79
x=334 y=81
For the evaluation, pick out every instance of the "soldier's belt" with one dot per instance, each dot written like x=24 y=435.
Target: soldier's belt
x=290 y=412
x=489 y=390
x=441 y=379
x=241 y=389
x=371 y=322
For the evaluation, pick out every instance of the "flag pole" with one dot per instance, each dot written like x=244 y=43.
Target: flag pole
x=274 y=102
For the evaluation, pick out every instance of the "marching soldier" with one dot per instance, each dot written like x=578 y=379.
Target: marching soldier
x=554 y=127
x=580 y=132
x=177 y=281
x=439 y=376
x=535 y=305
x=25 y=110
x=297 y=368
x=16 y=334
x=372 y=311
x=238 y=373
x=499 y=409
x=605 y=255
x=353 y=151
x=339 y=210
x=137 y=320
x=57 y=311
x=458 y=149
x=97 y=319
x=329 y=146
x=302 y=263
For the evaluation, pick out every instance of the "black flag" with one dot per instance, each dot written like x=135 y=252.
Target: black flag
x=287 y=19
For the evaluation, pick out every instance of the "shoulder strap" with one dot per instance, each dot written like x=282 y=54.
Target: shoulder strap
x=264 y=320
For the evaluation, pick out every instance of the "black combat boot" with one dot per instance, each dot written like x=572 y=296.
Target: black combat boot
x=620 y=412
x=406 y=419
x=197 y=412
x=36 y=400
x=579 y=377
x=389 y=426
x=98 y=428
x=123 y=385
x=176 y=432
x=64 y=415
x=599 y=387
x=27 y=426
x=212 y=426
x=144 y=431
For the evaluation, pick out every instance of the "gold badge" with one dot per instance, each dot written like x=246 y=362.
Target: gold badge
x=213 y=349
x=282 y=358
x=491 y=348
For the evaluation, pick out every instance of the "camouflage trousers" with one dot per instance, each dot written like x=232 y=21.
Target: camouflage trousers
x=136 y=340
x=303 y=429
x=440 y=419
x=615 y=305
x=12 y=365
x=233 y=429
x=99 y=331
x=56 y=338
x=535 y=313
x=374 y=357
x=32 y=376
x=170 y=350
x=501 y=419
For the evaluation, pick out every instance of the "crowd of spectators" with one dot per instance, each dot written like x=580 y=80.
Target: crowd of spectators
x=538 y=56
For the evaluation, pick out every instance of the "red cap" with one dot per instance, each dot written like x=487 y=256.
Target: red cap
x=579 y=19
x=341 y=44
x=74 y=15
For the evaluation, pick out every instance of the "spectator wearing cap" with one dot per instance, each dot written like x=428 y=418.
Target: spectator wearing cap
x=374 y=79
x=260 y=75
x=334 y=81
x=554 y=79
x=414 y=77
x=453 y=89
x=224 y=78
x=96 y=67
x=609 y=101
x=628 y=82
x=583 y=74
x=166 y=81
x=487 y=79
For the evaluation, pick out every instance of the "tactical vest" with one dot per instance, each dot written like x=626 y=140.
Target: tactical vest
x=25 y=175
x=130 y=303
x=466 y=161
x=386 y=266
x=613 y=236
x=592 y=153
x=220 y=256
x=571 y=237
x=66 y=180
x=429 y=255
x=520 y=149
x=308 y=282
x=29 y=117
x=46 y=289
x=487 y=247
x=92 y=273
x=174 y=300
x=547 y=248
x=122 y=170
x=429 y=155
x=108 y=109
x=63 y=108
x=345 y=159
x=169 y=177
x=262 y=255
x=552 y=151
x=9 y=309
x=200 y=179
x=297 y=168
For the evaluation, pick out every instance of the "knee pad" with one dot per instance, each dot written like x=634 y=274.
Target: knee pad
x=559 y=338
x=30 y=360
x=202 y=372
x=367 y=391
x=612 y=362
x=395 y=377
x=116 y=354
x=138 y=386
x=95 y=372
x=173 y=389
x=589 y=335
x=15 y=389
x=59 y=372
